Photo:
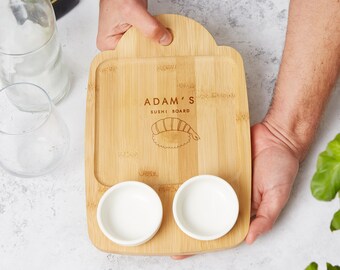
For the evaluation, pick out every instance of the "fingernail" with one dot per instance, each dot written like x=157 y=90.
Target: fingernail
x=252 y=238
x=256 y=236
x=165 y=39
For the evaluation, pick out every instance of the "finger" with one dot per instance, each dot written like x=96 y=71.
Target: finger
x=255 y=202
x=109 y=42
x=110 y=26
x=149 y=26
x=267 y=213
x=181 y=257
x=253 y=138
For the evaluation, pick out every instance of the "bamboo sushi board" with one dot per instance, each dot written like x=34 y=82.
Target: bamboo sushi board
x=161 y=115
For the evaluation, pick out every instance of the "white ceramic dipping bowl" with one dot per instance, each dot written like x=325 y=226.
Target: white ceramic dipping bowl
x=130 y=213
x=205 y=207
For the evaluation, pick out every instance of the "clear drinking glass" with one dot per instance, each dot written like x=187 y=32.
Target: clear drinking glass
x=33 y=137
x=29 y=48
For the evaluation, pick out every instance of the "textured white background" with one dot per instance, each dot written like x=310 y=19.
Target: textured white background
x=43 y=221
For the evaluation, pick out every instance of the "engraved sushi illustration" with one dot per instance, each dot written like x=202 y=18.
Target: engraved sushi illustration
x=172 y=132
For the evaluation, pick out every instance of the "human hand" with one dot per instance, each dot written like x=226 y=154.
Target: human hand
x=117 y=16
x=275 y=166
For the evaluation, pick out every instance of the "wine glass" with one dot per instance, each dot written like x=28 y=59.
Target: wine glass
x=33 y=138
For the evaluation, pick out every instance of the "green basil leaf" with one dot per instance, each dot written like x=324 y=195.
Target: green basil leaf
x=312 y=266
x=331 y=267
x=335 y=224
x=334 y=147
x=326 y=180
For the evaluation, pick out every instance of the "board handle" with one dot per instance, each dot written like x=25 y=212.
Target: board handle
x=189 y=38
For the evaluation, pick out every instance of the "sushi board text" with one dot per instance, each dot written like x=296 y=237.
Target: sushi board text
x=161 y=115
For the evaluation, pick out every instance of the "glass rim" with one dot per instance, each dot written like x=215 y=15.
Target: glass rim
x=33 y=51
x=50 y=105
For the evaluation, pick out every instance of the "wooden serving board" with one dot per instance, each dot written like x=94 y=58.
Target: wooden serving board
x=161 y=115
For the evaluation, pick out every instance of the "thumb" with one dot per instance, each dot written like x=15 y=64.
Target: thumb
x=149 y=26
x=266 y=215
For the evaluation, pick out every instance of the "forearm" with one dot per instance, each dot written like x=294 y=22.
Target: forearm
x=308 y=72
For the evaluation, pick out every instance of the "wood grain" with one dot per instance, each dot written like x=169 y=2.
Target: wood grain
x=161 y=115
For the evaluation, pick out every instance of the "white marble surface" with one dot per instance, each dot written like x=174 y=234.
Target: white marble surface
x=43 y=221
